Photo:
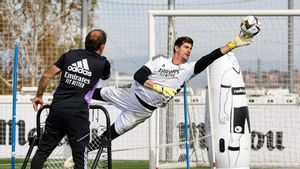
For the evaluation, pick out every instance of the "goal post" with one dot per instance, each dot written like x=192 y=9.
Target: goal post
x=154 y=126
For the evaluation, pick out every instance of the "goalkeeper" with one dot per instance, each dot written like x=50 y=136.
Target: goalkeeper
x=156 y=83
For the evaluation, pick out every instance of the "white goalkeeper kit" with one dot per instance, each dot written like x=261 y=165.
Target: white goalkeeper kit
x=138 y=102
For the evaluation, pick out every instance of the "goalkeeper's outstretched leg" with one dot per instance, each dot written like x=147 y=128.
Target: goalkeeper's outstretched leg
x=99 y=141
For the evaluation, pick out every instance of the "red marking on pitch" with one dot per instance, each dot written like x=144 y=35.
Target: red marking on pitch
x=214 y=164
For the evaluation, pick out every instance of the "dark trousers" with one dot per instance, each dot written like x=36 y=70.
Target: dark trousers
x=58 y=124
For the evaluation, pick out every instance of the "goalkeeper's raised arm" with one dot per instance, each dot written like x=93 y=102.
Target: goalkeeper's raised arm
x=206 y=60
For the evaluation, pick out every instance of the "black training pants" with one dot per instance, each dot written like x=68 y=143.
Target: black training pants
x=58 y=124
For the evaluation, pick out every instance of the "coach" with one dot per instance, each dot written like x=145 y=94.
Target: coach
x=80 y=70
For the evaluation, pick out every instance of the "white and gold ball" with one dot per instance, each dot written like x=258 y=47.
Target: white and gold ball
x=250 y=26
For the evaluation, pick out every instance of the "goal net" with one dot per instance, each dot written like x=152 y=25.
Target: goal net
x=270 y=68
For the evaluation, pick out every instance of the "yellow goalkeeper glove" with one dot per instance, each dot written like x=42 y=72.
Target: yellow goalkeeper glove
x=239 y=41
x=166 y=91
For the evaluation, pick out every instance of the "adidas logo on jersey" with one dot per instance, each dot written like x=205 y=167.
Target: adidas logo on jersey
x=81 y=67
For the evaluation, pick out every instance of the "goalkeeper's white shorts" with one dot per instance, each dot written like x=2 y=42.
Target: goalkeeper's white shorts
x=133 y=112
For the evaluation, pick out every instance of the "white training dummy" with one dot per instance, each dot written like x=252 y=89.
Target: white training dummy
x=231 y=123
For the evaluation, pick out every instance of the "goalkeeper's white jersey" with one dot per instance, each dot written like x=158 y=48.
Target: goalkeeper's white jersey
x=164 y=73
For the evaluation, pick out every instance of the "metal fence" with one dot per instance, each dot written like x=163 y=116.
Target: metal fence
x=44 y=30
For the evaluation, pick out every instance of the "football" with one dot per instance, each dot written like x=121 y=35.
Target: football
x=250 y=26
